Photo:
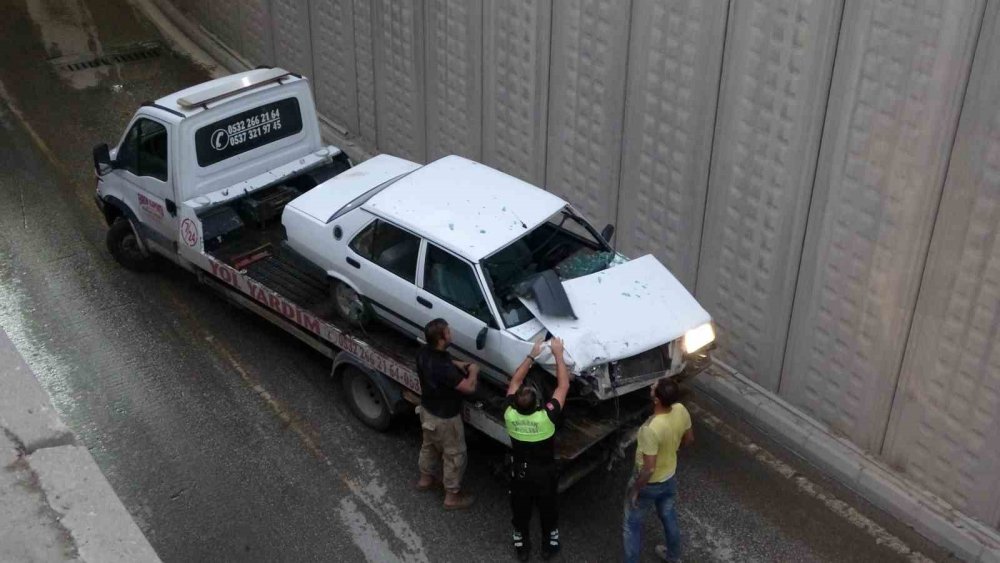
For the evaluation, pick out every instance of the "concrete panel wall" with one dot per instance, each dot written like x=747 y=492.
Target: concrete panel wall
x=589 y=57
x=785 y=158
x=454 y=78
x=945 y=426
x=398 y=37
x=516 y=86
x=778 y=62
x=334 y=75
x=673 y=82
x=897 y=87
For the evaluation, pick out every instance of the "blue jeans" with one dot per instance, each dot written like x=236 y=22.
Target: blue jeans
x=663 y=496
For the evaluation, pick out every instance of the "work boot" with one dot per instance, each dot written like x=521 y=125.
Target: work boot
x=458 y=501
x=661 y=552
x=427 y=482
x=522 y=546
x=551 y=546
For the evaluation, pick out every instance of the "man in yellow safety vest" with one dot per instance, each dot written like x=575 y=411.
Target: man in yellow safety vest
x=532 y=427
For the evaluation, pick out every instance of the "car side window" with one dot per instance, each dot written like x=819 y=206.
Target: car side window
x=389 y=247
x=152 y=149
x=144 y=150
x=454 y=280
x=128 y=157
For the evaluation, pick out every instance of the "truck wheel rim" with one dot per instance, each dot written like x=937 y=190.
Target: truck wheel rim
x=367 y=397
x=130 y=246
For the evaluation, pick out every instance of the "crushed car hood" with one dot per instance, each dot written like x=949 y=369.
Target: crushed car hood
x=622 y=311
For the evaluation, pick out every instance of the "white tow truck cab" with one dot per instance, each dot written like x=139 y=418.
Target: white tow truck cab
x=252 y=136
x=231 y=180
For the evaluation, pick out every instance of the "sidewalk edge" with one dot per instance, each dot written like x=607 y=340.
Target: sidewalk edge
x=930 y=516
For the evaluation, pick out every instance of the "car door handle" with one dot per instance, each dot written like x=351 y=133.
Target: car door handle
x=354 y=263
x=425 y=302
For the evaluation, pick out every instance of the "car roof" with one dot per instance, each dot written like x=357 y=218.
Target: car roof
x=326 y=199
x=234 y=84
x=467 y=207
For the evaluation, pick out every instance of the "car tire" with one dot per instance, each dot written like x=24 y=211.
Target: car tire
x=349 y=305
x=366 y=398
x=125 y=246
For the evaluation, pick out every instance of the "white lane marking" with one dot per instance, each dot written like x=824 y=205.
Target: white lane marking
x=363 y=534
x=835 y=505
x=375 y=496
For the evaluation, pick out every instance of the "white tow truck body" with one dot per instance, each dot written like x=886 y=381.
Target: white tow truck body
x=201 y=177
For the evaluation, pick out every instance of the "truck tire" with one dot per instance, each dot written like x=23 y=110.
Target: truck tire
x=366 y=398
x=124 y=246
x=349 y=305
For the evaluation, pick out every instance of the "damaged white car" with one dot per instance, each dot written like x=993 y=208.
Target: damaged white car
x=504 y=262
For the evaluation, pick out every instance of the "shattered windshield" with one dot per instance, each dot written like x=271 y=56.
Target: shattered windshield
x=565 y=244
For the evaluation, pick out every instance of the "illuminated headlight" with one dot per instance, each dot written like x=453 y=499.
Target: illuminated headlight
x=697 y=338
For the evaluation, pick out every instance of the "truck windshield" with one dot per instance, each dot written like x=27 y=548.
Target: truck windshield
x=565 y=243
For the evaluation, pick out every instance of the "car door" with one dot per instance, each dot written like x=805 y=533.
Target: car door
x=451 y=290
x=385 y=257
x=142 y=164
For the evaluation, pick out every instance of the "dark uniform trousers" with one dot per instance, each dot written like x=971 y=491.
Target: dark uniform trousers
x=534 y=483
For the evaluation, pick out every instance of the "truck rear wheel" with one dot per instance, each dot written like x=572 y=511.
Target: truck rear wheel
x=350 y=306
x=366 y=398
x=125 y=247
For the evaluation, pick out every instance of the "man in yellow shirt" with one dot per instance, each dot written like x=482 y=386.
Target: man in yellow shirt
x=654 y=483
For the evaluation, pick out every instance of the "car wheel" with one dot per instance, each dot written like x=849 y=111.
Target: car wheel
x=349 y=305
x=125 y=247
x=366 y=398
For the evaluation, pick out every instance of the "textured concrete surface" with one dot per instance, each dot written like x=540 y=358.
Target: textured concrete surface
x=29 y=528
x=57 y=506
x=226 y=439
x=25 y=409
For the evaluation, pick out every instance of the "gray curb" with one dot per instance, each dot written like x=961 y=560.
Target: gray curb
x=25 y=409
x=932 y=517
x=74 y=487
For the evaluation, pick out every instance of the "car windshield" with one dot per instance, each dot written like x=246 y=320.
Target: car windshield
x=564 y=243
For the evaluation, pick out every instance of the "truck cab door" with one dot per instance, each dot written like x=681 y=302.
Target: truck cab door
x=142 y=170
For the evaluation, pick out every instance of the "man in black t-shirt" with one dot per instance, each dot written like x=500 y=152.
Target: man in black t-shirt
x=532 y=428
x=443 y=383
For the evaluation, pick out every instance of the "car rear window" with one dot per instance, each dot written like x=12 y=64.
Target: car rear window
x=247 y=130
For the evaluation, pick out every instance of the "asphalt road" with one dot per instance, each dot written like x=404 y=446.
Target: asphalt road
x=226 y=438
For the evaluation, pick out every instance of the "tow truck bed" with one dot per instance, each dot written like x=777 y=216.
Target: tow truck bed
x=278 y=270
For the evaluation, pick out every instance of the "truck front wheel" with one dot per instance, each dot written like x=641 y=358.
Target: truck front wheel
x=366 y=398
x=125 y=247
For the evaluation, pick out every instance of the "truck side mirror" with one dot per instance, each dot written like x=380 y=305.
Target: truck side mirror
x=102 y=159
x=481 y=338
x=607 y=232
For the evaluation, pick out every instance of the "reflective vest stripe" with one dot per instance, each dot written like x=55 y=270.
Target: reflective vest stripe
x=534 y=427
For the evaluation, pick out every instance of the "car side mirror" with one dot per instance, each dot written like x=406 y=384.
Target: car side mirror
x=607 y=232
x=481 y=338
x=102 y=159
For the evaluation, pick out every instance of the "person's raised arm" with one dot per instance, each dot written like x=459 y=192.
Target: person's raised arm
x=468 y=384
x=522 y=370
x=562 y=373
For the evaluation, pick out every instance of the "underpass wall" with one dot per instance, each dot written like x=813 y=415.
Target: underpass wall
x=821 y=173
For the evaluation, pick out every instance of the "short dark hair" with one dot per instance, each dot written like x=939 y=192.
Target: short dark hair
x=434 y=332
x=667 y=391
x=525 y=400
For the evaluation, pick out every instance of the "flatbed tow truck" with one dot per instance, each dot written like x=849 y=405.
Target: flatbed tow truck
x=199 y=178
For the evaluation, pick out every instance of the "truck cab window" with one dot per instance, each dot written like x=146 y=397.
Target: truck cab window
x=389 y=247
x=144 y=150
x=453 y=280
